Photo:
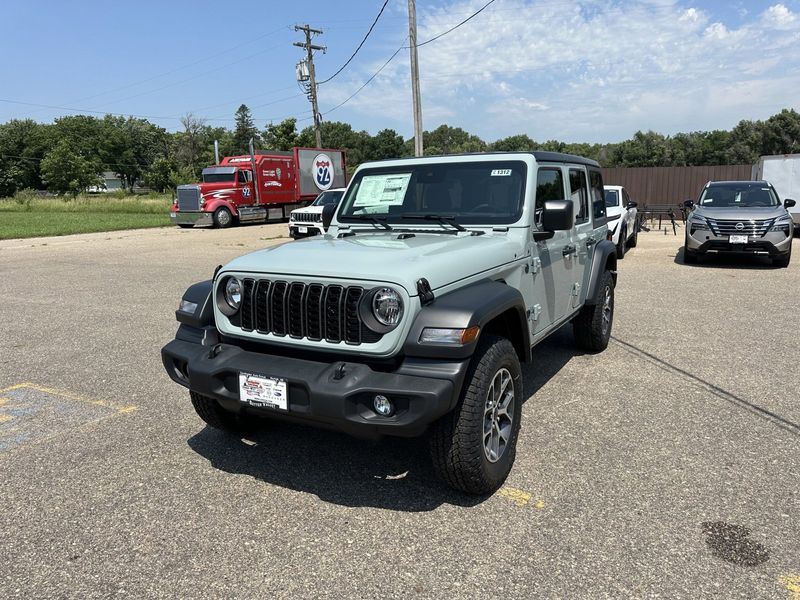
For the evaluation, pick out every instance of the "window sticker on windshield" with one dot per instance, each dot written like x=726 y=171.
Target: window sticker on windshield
x=382 y=190
x=501 y=173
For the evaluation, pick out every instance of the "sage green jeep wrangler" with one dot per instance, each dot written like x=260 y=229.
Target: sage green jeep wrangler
x=412 y=315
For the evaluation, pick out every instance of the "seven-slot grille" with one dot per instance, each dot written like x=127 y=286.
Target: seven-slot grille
x=305 y=310
x=307 y=217
x=188 y=198
x=751 y=227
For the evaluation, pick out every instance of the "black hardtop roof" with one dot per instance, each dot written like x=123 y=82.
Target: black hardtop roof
x=539 y=155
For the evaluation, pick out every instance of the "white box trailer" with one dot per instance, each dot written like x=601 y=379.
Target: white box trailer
x=783 y=172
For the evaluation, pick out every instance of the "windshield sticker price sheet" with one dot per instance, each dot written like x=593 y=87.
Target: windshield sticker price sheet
x=382 y=190
x=257 y=390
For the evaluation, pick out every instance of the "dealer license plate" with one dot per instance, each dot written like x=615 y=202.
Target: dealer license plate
x=302 y=229
x=738 y=239
x=267 y=392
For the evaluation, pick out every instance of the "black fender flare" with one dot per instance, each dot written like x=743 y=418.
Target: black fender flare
x=604 y=258
x=474 y=304
x=201 y=295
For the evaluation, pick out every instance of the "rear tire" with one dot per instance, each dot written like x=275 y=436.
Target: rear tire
x=621 y=244
x=592 y=325
x=223 y=218
x=217 y=417
x=473 y=447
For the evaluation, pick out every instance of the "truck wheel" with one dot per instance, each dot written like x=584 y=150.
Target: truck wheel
x=473 y=447
x=592 y=325
x=635 y=237
x=223 y=218
x=621 y=244
x=217 y=417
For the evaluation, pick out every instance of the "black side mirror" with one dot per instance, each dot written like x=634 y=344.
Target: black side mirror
x=632 y=204
x=688 y=204
x=327 y=215
x=789 y=203
x=557 y=215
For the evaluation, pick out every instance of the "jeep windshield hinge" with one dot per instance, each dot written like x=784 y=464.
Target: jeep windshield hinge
x=425 y=292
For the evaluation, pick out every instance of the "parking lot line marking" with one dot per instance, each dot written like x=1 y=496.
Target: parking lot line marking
x=70 y=396
x=792 y=584
x=518 y=497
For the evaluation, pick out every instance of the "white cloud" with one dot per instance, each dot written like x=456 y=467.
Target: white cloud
x=593 y=71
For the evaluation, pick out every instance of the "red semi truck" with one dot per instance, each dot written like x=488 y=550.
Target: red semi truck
x=258 y=187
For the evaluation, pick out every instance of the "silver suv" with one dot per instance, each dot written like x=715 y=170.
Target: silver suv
x=436 y=278
x=739 y=216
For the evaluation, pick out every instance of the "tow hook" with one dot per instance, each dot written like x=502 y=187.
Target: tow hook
x=338 y=371
x=215 y=350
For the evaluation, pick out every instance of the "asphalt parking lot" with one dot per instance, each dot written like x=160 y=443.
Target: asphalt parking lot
x=667 y=466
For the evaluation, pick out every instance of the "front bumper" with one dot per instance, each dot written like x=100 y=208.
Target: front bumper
x=774 y=243
x=311 y=229
x=320 y=393
x=191 y=218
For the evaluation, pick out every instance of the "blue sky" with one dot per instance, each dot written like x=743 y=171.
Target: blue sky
x=554 y=69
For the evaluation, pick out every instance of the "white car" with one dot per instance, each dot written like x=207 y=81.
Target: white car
x=307 y=221
x=622 y=218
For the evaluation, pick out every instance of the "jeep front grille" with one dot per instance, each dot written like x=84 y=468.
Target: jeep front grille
x=310 y=311
x=189 y=198
x=751 y=227
x=307 y=217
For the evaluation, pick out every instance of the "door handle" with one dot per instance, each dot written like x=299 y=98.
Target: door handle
x=568 y=250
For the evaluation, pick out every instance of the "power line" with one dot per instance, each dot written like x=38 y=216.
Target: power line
x=368 y=81
x=444 y=33
x=352 y=56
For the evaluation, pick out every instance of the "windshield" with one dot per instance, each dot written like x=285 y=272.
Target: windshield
x=327 y=198
x=490 y=192
x=612 y=198
x=218 y=177
x=744 y=194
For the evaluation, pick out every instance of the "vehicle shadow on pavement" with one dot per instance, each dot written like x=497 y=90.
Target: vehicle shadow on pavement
x=393 y=473
x=728 y=261
x=549 y=358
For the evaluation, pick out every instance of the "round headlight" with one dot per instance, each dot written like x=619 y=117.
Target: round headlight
x=387 y=306
x=233 y=292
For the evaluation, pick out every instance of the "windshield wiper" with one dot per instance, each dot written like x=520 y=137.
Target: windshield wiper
x=379 y=221
x=431 y=217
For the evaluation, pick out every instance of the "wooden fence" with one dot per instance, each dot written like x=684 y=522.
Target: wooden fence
x=650 y=186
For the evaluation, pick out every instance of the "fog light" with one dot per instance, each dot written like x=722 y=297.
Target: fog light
x=383 y=406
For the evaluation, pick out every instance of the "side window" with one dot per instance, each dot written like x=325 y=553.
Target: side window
x=579 y=194
x=244 y=177
x=598 y=204
x=549 y=186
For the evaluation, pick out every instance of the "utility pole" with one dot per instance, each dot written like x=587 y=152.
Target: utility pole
x=305 y=72
x=417 y=100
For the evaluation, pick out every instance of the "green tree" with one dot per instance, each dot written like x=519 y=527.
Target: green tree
x=130 y=146
x=643 y=150
x=23 y=144
x=514 y=143
x=159 y=176
x=387 y=143
x=65 y=170
x=781 y=133
x=282 y=136
x=244 y=130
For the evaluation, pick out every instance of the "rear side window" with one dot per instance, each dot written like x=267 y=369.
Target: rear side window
x=598 y=198
x=579 y=194
x=549 y=186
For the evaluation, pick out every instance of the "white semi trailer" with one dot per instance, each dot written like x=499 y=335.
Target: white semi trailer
x=783 y=172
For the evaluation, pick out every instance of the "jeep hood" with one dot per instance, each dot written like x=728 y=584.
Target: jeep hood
x=438 y=257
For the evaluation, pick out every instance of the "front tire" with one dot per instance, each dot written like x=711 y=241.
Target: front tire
x=223 y=218
x=783 y=261
x=635 y=237
x=592 y=325
x=217 y=417
x=474 y=446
